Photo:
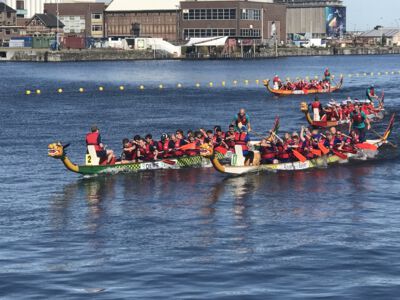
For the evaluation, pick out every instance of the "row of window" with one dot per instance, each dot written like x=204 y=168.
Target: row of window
x=250 y=32
x=250 y=14
x=198 y=32
x=8 y=31
x=144 y=29
x=207 y=32
x=210 y=14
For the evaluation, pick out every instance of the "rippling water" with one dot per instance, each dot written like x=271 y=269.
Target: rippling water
x=330 y=233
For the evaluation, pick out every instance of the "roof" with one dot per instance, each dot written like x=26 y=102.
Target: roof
x=49 y=20
x=6 y=8
x=143 y=5
x=388 y=32
x=213 y=41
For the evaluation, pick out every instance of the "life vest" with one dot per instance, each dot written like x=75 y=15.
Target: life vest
x=148 y=154
x=92 y=139
x=241 y=119
x=358 y=118
x=177 y=146
x=129 y=155
x=240 y=139
x=282 y=153
x=230 y=143
x=316 y=104
x=267 y=153
x=276 y=79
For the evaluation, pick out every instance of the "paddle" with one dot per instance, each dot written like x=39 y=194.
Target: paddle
x=221 y=150
x=191 y=146
x=324 y=150
x=316 y=152
x=366 y=146
x=339 y=154
x=299 y=156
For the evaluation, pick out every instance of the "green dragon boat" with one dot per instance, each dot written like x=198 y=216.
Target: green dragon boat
x=58 y=151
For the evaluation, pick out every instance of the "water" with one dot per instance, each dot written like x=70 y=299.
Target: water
x=330 y=233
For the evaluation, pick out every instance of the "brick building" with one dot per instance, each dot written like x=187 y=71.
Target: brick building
x=150 y=18
x=234 y=18
x=8 y=23
x=80 y=19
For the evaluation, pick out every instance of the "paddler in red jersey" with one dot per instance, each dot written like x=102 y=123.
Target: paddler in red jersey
x=277 y=83
x=93 y=138
x=317 y=109
x=230 y=138
x=128 y=151
x=268 y=151
x=151 y=147
x=242 y=139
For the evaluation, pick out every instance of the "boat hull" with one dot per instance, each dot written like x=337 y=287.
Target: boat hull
x=302 y=92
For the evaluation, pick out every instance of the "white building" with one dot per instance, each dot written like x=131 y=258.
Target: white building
x=28 y=8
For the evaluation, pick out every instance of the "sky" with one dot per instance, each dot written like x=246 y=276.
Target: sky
x=365 y=14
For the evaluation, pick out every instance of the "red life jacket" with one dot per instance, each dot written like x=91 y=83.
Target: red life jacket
x=230 y=143
x=92 y=139
x=240 y=140
x=358 y=118
x=242 y=119
x=316 y=104
x=282 y=154
x=177 y=146
x=267 y=153
x=372 y=92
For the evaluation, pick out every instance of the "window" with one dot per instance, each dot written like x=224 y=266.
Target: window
x=97 y=28
x=250 y=14
x=208 y=32
x=8 y=14
x=8 y=31
x=20 y=4
x=210 y=14
x=250 y=32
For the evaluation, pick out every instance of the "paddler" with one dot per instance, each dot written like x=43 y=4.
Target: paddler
x=243 y=139
x=241 y=119
x=268 y=152
x=151 y=146
x=317 y=109
x=371 y=93
x=93 y=138
x=128 y=151
x=230 y=138
x=359 y=121
x=277 y=82
x=327 y=76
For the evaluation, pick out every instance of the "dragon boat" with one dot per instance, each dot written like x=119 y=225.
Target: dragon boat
x=235 y=168
x=377 y=116
x=303 y=91
x=58 y=151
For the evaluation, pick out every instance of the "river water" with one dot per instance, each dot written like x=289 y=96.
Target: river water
x=327 y=233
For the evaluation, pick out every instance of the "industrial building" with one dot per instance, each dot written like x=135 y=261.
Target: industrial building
x=80 y=19
x=381 y=36
x=28 y=8
x=257 y=20
x=155 y=18
x=315 y=18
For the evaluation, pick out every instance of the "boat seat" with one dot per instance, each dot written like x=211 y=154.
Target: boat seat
x=238 y=158
x=91 y=158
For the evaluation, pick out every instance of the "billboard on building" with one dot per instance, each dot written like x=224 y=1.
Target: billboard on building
x=335 y=21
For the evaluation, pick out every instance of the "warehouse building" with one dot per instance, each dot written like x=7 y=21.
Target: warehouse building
x=258 y=20
x=155 y=18
x=83 y=19
x=315 y=18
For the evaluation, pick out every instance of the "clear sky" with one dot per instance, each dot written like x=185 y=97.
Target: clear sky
x=365 y=14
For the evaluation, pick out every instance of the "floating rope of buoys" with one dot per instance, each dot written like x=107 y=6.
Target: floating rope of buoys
x=212 y=84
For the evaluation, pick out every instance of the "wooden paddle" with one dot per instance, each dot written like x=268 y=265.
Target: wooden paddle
x=339 y=154
x=191 y=146
x=299 y=156
x=316 y=152
x=324 y=150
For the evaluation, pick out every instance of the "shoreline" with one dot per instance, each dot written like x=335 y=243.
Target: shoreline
x=85 y=55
